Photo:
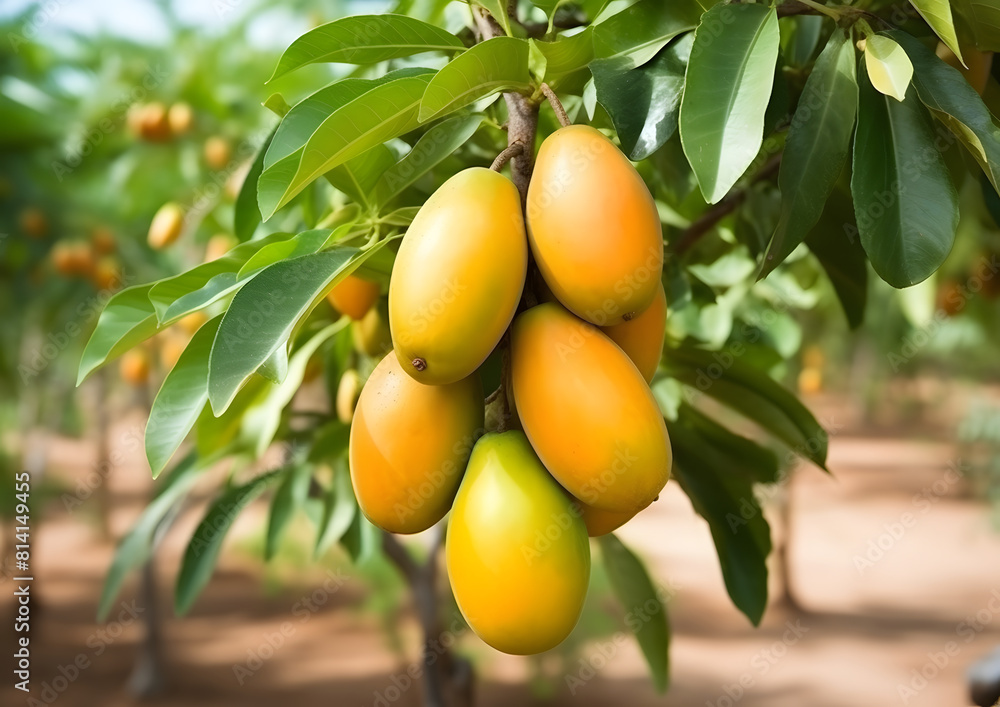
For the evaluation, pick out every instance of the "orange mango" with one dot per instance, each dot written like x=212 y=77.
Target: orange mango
x=354 y=296
x=642 y=337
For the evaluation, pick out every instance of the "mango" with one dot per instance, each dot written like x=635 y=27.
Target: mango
x=134 y=367
x=593 y=227
x=600 y=522
x=642 y=337
x=166 y=227
x=409 y=444
x=353 y=296
x=587 y=410
x=180 y=116
x=348 y=391
x=458 y=277
x=517 y=552
x=371 y=333
x=217 y=152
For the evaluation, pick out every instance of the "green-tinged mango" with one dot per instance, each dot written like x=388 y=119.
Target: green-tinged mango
x=458 y=277
x=642 y=337
x=587 y=410
x=593 y=227
x=517 y=551
x=409 y=445
x=371 y=333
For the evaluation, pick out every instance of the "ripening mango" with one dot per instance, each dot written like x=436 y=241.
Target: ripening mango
x=600 y=522
x=134 y=367
x=409 y=445
x=517 y=552
x=642 y=337
x=458 y=277
x=587 y=411
x=354 y=296
x=593 y=227
x=348 y=391
x=166 y=227
x=371 y=333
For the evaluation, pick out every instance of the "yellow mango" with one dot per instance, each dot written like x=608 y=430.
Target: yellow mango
x=642 y=337
x=353 y=296
x=458 y=277
x=517 y=552
x=600 y=522
x=409 y=445
x=587 y=410
x=593 y=227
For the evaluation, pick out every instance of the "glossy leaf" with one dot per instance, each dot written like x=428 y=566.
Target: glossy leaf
x=889 y=69
x=817 y=147
x=835 y=243
x=365 y=39
x=498 y=64
x=982 y=19
x=937 y=13
x=357 y=177
x=955 y=103
x=642 y=603
x=644 y=102
x=137 y=546
x=638 y=33
x=290 y=496
x=726 y=92
x=757 y=463
x=433 y=146
x=564 y=59
x=304 y=243
x=275 y=368
x=246 y=214
x=498 y=9
x=203 y=549
x=127 y=319
x=904 y=201
x=180 y=400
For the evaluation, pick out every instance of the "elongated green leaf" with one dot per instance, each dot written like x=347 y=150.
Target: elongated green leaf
x=137 y=546
x=365 y=39
x=937 y=13
x=180 y=400
x=128 y=319
x=726 y=500
x=644 y=102
x=638 y=33
x=173 y=297
x=304 y=243
x=339 y=509
x=835 y=244
x=362 y=540
x=758 y=464
x=203 y=549
x=982 y=19
x=384 y=112
x=646 y=615
x=433 y=146
x=726 y=91
x=889 y=69
x=498 y=64
x=290 y=496
x=498 y=9
x=904 y=201
x=751 y=392
x=562 y=61
x=275 y=368
x=265 y=311
x=222 y=435
x=816 y=148
x=357 y=177
x=955 y=103
x=246 y=215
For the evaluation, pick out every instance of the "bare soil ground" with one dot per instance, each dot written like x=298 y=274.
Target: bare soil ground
x=895 y=569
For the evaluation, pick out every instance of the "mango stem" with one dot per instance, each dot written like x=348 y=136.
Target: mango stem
x=560 y=112
x=508 y=153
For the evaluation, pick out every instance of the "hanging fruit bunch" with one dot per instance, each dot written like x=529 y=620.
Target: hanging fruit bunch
x=580 y=446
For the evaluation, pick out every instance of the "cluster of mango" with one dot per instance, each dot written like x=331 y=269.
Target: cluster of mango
x=594 y=449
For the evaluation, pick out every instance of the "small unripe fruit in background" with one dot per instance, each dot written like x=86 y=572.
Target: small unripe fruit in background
x=180 y=117
x=134 y=366
x=192 y=322
x=103 y=240
x=371 y=334
x=217 y=152
x=218 y=245
x=107 y=273
x=73 y=258
x=34 y=222
x=171 y=345
x=642 y=337
x=166 y=227
x=348 y=391
x=154 y=125
x=354 y=296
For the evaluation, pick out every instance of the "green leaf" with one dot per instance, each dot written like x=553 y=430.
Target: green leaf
x=127 y=319
x=726 y=500
x=498 y=64
x=498 y=9
x=645 y=613
x=433 y=146
x=889 y=69
x=904 y=201
x=137 y=546
x=955 y=103
x=290 y=496
x=331 y=441
x=805 y=32
x=384 y=112
x=937 y=13
x=180 y=400
x=340 y=508
x=982 y=19
x=637 y=34
x=174 y=297
x=835 y=244
x=246 y=214
x=362 y=540
x=402 y=216
x=644 y=102
x=365 y=39
x=203 y=549
x=743 y=387
x=726 y=91
x=221 y=435
x=564 y=59
x=304 y=243
x=358 y=176
x=817 y=147
x=275 y=368
x=265 y=311
x=757 y=463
